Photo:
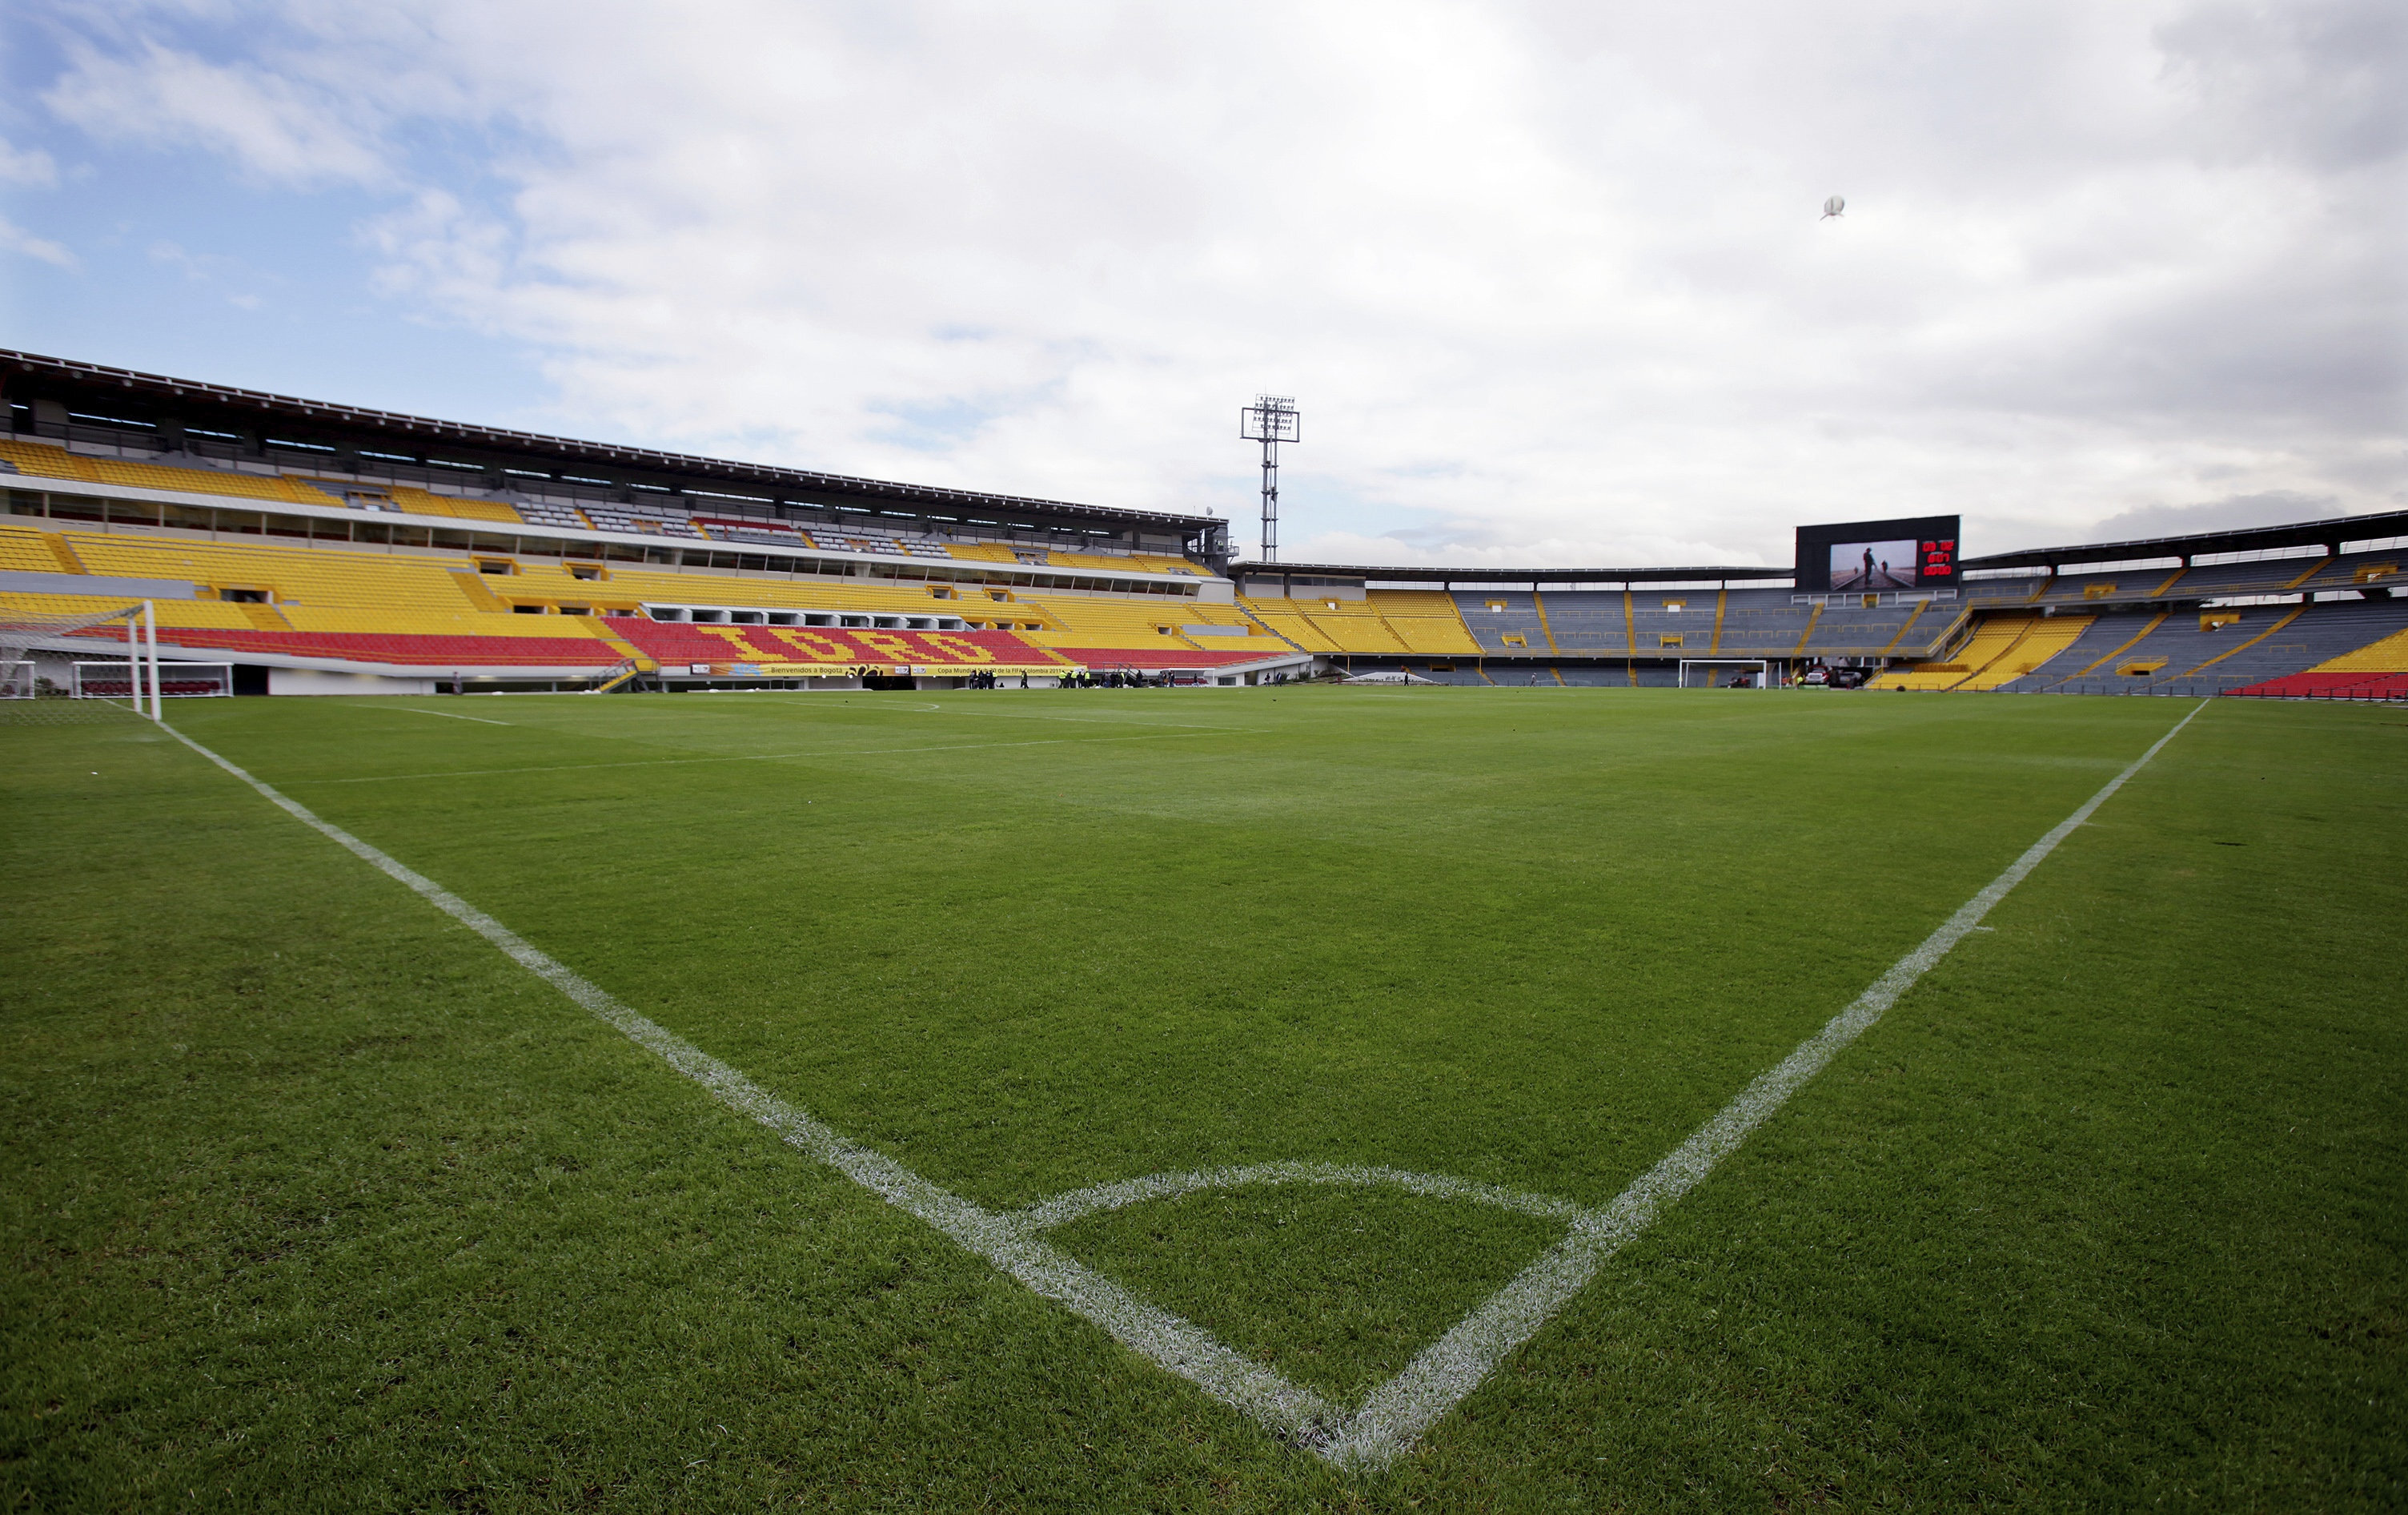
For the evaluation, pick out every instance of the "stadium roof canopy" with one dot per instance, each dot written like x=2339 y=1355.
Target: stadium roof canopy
x=97 y=399
x=2328 y=534
x=1482 y=575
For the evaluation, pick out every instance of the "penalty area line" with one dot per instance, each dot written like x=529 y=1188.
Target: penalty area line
x=412 y=710
x=1010 y=1242
x=1394 y=1415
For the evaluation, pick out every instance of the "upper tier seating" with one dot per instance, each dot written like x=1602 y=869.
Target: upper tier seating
x=551 y=513
x=2265 y=576
x=1034 y=556
x=638 y=521
x=58 y=463
x=196 y=478
x=639 y=517
x=411 y=500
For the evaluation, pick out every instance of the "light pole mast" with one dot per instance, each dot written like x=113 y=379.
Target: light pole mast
x=1271 y=420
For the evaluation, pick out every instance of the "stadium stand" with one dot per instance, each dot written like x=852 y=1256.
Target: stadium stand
x=1994 y=636
x=45 y=461
x=2156 y=581
x=2041 y=638
x=2318 y=636
x=279 y=530
x=822 y=650
x=2377 y=671
x=2107 y=634
x=1585 y=622
x=1502 y=622
x=1384 y=622
x=1423 y=620
x=1341 y=625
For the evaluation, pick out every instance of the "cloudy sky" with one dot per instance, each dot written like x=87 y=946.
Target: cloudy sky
x=1549 y=280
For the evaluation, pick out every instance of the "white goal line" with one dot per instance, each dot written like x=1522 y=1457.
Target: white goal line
x=1396 y=1413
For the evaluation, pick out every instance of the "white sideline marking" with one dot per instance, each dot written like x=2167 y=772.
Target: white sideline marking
x=1400 y=1410
x=412 y=710
x=1011 y=1244
x=1394 y=1415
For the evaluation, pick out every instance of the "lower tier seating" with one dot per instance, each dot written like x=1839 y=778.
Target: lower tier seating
x=2315 y=685
x=814 y=649
x=398 y=650
x=1161 y=658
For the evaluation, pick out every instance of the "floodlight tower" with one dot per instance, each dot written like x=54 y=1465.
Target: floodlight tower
x=1271 y=420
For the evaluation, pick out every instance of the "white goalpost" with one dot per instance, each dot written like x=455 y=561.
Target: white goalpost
x=1724 y=673
x=26 y=693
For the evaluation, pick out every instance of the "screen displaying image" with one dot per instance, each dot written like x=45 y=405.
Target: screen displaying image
x=1873 y=564
x=1914 y=554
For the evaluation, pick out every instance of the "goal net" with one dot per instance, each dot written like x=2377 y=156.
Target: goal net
x=38 y=672
x=1726 y=674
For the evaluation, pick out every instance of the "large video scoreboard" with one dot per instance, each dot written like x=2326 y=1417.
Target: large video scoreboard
x=1878 y=557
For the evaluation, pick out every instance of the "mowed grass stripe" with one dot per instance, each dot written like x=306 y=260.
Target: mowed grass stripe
x=1398 y=1411
x=1015 y=966
x=410 y=1239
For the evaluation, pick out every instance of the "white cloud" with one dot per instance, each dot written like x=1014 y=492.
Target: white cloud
x=26 y=168
x=1547 y=278
x=2278 y=507
x=278 y=129
x=14 y=239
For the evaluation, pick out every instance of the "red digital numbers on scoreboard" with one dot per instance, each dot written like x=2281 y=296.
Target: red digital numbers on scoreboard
x=1939 y=558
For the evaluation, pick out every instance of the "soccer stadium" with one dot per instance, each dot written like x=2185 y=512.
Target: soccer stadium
x=549 y=974
x=292 y=546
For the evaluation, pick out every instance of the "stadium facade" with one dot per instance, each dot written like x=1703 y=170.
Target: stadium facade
x=319 y=548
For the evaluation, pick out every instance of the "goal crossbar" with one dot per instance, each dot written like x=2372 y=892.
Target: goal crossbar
x=1719 y=671
x=19 y=635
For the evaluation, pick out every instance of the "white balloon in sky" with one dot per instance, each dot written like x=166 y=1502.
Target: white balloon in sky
x=1833 y=206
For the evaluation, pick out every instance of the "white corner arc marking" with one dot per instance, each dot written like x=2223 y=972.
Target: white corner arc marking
x=1396 y=1413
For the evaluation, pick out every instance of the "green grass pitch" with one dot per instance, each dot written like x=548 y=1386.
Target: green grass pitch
x=317 y=1200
